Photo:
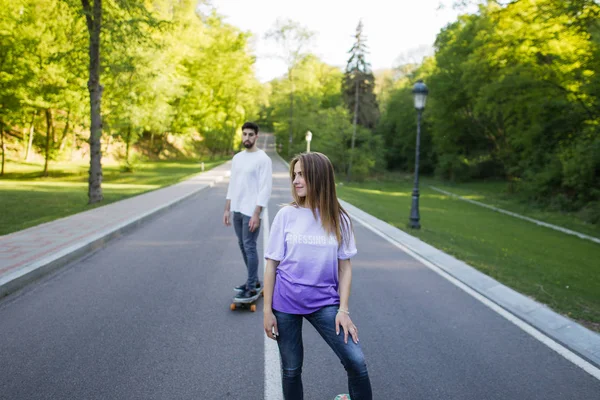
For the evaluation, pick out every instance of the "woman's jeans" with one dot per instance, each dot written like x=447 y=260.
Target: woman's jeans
x=292 y=352
x=247 y=242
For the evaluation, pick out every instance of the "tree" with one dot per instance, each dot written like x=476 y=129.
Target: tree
x=515 y=96
x=126 y=22
x=319 y=108
x=293 y=38
x=93 y=16
x=13 y=74
x=3 y=146
x=151 y=79
x=358 y=89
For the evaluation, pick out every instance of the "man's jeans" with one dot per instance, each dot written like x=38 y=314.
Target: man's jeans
x=292 y=353
x=247 y=242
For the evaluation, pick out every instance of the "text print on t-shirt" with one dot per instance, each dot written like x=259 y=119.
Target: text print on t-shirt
x=317 y=240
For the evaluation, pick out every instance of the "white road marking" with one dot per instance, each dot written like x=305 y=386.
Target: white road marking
x=273 y=389
x=563 y=351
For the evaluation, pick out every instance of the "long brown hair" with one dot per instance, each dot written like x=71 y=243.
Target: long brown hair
x=321 y=195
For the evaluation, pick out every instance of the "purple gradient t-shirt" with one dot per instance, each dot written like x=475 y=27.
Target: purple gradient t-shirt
x=307 y=275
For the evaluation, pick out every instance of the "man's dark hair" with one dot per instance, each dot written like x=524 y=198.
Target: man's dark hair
x=250 y=125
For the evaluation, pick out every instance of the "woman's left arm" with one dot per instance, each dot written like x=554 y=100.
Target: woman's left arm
x=343 y=316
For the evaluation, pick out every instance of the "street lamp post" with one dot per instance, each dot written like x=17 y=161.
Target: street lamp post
x=420 y=92
x=308 y=139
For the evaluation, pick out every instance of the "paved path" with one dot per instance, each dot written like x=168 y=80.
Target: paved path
x=28 y=254
x=147 y=317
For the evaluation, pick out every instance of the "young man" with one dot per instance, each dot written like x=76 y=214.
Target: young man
x=248 y=193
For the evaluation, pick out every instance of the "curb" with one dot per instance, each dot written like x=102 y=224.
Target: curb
x=16 y=280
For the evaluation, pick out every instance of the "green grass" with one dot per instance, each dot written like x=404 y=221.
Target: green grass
x=495 y=193
x=551 y=267
x=28 y=199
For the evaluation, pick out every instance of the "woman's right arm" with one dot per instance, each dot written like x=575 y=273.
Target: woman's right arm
x=270 y=322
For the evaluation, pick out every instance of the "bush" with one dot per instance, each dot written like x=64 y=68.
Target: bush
x=487 y=168
x=362 y=165
x=581 y=170
x=541 y=185
x=591 y=213
x=453 y=167
x=131 y=165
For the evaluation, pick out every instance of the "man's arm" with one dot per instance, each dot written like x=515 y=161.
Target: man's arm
x=230 y=188
x=254 y=222
x=227 y=213
x=265 y=184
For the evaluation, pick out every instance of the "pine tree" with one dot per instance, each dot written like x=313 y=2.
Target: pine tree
x=358 y=89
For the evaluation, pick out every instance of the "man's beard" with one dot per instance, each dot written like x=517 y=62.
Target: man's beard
x=248 y=144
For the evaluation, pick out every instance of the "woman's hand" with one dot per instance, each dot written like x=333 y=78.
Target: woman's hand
x=270 y=325
x=344 y=320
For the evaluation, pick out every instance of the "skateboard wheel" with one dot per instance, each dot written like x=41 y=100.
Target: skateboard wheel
x=253 y=307
x=232 y=307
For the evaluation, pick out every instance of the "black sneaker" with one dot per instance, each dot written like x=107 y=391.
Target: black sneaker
x=242 y=287
x=245 y=296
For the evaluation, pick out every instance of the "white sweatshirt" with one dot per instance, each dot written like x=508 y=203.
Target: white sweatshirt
x=250 y=181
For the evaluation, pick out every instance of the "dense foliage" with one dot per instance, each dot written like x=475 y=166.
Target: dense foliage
x=515 y=95
x=321 y=99
x=179 y=81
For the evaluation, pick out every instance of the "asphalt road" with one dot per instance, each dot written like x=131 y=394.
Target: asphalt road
x=148 y=317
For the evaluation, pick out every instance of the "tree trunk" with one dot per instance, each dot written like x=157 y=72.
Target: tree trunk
x=31 y=134
x=73 y=145
x=127 y=145
x=354 y=123
x=3 y=147
x=49 y=130
x=93 y=15
x=162 y=145
x=53 y=128
x=231 y=137
x=65 y=132
x=291 y=139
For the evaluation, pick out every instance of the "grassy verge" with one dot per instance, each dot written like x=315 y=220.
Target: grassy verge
x=496 y=194
x=27 y=199
x=559 y=270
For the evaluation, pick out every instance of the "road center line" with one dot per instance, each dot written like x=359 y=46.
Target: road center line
x=273 y=389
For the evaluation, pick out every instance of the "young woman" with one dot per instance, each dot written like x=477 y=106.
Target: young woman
x=308 y=275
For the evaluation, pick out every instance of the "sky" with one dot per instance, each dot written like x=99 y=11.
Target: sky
x=396 y=31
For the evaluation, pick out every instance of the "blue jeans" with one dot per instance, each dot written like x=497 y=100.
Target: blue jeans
x=247 y=242
x=292 y=353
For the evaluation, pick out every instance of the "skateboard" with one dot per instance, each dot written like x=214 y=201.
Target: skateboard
x=342 y=397
x=248 y=303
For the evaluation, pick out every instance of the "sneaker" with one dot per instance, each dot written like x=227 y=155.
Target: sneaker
x=246 y=295
x=242 y=287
